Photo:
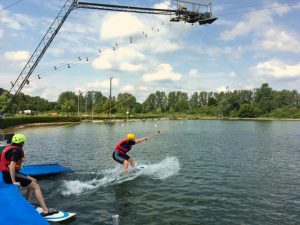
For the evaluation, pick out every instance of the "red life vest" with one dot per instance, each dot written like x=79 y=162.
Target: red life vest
x=4 y=162
x=121 y=149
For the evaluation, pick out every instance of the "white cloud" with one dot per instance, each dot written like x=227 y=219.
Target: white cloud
x=253 y=21
x=6 y=78
x=163 y=5
x=31 y=88
x=256 y=22
x=56 y=51
x=277 y=69
x=222 y=89
x=102 y=84
x=11 y=23
x=225 y=53
x=123 y=59
x=17 y=21
x=143 y=88
x=232 y=74
x=130 y=67
x=146 y=38
x=163 y=72
x=120 y=25
x=17 y=56
x=158 y=44
x=194 y=73
x=1 y=33
x=248 y=87
x=279 y=40
x=128 y=89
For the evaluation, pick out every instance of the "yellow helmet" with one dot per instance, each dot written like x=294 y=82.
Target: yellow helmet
x=130 y=137
x=18 y=138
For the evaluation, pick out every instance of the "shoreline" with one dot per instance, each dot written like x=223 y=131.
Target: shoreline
x=19 y=127
x=11 y=129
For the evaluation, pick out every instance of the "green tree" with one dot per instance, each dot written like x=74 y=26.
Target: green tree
x=194 y=101
x=98 y=102
x=203 y=98
x=126 y=102
x=149 y=104
x=247 y=111
x=161 y=101
x=263 y=98
x=182 y=103
x=171 y=100
x=67 y=101
x=211 y=102
x=69 y=105
x=4 y=98
x=179 y=101
x=283 y=98
x=246 y=96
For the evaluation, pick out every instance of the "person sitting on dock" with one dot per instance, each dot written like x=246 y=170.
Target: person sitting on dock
x=11 y=160
x=121 y=149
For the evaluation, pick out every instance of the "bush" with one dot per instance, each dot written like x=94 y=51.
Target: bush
x=15 y=121
x=285 y=113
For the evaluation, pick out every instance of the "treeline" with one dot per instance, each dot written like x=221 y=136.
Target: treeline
x=260 y=102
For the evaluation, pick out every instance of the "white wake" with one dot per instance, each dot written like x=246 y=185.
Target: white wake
x=162 y=170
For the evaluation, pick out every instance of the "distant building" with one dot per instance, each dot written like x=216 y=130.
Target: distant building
x=28 y=112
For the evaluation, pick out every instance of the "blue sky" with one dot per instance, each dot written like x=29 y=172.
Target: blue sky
x=252 y=42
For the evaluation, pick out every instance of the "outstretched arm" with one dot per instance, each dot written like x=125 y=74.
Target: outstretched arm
x=141 y=140
x=146 y=138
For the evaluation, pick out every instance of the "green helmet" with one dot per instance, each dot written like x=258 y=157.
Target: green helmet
x=18 y=138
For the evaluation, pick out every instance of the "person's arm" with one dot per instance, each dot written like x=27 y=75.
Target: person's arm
x=12 y=170
x=141 y=140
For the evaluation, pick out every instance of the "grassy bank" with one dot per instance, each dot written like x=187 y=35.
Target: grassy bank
x=61 y=120
x=17 y=121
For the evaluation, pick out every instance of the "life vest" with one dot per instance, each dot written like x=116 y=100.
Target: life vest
x=121 y=148
x=4 y=162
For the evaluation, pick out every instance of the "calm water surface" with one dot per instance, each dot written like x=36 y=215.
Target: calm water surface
x=200 y=172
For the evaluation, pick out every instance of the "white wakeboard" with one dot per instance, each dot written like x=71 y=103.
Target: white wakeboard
x=138 y=169
x=132 y=174
x=57 y=217
x=141 y=167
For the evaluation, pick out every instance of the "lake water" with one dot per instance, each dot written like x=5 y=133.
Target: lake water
x=200 y=172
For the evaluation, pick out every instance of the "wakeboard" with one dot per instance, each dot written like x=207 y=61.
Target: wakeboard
x=57 y=217
x=141 y=167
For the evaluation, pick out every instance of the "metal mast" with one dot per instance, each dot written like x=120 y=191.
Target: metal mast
x=38 y=53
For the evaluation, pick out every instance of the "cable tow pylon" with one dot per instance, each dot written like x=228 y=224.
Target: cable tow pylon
x=187 y=12
x=38 y=53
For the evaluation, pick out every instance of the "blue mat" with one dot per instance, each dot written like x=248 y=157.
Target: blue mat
x=14 y=209
x=45 y=169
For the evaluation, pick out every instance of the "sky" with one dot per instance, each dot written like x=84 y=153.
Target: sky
x=251 y=43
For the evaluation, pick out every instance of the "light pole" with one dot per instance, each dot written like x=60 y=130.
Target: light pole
x=86 y=94
x=110 y=82
x=92 y=103
x=78 y=100
x=127 y=114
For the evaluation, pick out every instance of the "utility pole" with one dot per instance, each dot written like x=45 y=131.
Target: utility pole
x=92 y=104
x=110 y=82
x=86 y=94
x=78 y=100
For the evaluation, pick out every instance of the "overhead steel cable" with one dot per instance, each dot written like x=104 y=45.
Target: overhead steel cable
x=261 y=9
x=12 y=4
x=63 y=66
x=224 y=59
x=132 y=39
